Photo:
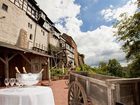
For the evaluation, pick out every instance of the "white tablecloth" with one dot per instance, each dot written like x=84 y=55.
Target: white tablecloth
x=35 y=95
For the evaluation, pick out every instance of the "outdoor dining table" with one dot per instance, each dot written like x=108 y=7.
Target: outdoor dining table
x=32 y=95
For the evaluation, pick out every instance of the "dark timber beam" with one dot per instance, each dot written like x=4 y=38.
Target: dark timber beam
x=55 y=61
x=49 y=72
x=26 y=58
x=6 y=62
x=2 y=60
x=12 y=57
x=6 y=66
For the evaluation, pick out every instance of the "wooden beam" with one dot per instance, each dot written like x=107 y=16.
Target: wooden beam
x=25 y=58
x=6 y=66
x=109 y=96
x=2 y=60
x=118 y=92
x=46 y=59
x=87 y=87
x=49 y=72
x=124 y=80
x=92 y=80
x=136 y=93
x=12 y=57
x=55 y=61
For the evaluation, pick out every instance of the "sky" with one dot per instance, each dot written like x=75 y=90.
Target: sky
x=90 y=23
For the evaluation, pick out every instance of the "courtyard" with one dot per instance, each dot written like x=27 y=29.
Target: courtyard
x=60 y=91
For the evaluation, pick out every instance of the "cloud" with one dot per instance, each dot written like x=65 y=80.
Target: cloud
x=59 y=9
x=97 y=45
x=64 y=11
x=95 y=61
x=112 y=13
x=100 y=45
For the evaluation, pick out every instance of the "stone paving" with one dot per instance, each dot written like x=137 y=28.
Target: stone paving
x=60 y=91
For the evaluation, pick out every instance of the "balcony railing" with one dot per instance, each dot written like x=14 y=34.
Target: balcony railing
x=40 y=50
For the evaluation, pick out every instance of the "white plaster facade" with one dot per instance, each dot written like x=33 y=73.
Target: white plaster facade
x=15 y=20
x=54 y=40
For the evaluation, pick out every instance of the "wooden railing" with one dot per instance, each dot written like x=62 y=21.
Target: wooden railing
x=106 y=90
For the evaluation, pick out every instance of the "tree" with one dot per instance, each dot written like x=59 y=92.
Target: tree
x=85 y=68
x=129 y=33
x=134 y=68
x=103 y=66
x=115 y=68
x=101 y=69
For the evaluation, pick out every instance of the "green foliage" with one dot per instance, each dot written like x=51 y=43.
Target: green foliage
x=100 y=71
x=85 y=68
x=134 y=68
x=78 y=69
x=57 y=72
x=129 y=33
x=114 y=68
x=53 y=48
x=103 y=67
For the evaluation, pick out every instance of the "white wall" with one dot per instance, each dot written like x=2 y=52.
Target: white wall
x=11 y=25
x=41 y=39
x=54 y=41
x=16 y=19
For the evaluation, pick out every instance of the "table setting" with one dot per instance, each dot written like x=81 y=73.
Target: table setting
x=23 y=90
x=34 y=95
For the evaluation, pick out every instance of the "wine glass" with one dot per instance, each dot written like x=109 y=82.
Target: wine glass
x=12 y=81
x=6 y=82
x=17 y=82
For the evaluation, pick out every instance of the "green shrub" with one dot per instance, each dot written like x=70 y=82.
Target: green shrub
x=57 y=72
x=85 y=68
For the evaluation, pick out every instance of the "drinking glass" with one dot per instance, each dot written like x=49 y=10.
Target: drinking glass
x=17 y=82
x=6 y=82
x=12 y=81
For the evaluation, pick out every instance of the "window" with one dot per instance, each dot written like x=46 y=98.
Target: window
x=30 y=25
x=25 y=5
x=33 y=13
x=46 y=25
x=19 y=3
x=60 y=44
x=43 y=15
x=4 y=7
x=29 y=9
x=43 y=32
x=31 y=36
